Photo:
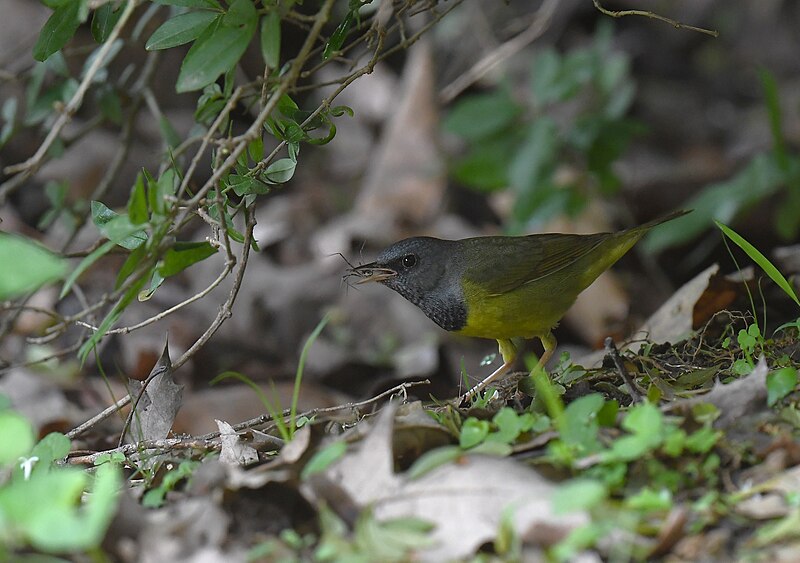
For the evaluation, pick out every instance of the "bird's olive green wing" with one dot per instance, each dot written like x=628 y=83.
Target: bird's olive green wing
x=501 y=264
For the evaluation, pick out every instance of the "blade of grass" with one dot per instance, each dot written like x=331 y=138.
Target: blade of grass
x=301 y=364
x=276 y=414
x=762 y=261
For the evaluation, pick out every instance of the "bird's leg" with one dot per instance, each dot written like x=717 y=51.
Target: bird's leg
x=549 y=345
x=509 y=353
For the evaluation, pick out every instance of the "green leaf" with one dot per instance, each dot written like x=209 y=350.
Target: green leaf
x=578 y=494
x=647 y=421
x=271 y=39
x=8 y=117
x=159 y=191
x=181 y=29
x=607 y=415
x=338 y=36
x=243 y=185
x=130 y=264
x=110 y=104
x=171 y=137
x=33 y=266
x=137 y=203
x=432 y=459
x=116 y=227
x=280 y=171
x=761 y=260
x=241 y=13
x=58 y=29
x=703 y=440
x=761 y=177
x=646 y=425
x=509 y=426
x=578 y=425
x=486 y=166
x=480 y=116
x=84 y=265
x=16 y=437
x=473 y=432
x=103 y=21
x=547 y=84
x=42 y=107
x=255 y=149
x=202 y=4
x=492 y=447
x=68 y=529
x=534 y=162
x=183 y=255
x=780 y=383
x=218 y=48
x=772 y=100
x=674 y=442
x=324 y=458
x=53 y=447
x=648 y=500
x=155 y=282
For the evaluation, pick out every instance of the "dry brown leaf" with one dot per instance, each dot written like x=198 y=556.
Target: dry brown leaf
x=735 y=400
x=674 y=320
x=763 y=507
x=465 y=500
x=234 y=451
x=159 y=403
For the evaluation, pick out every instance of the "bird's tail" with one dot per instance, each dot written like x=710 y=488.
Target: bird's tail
x=663 y=219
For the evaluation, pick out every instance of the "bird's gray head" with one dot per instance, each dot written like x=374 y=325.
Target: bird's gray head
x=416 y=268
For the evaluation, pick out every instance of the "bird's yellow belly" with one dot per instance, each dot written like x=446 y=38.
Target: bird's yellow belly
x=526 y=312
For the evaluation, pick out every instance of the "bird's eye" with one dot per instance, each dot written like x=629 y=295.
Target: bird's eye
x=409 y=261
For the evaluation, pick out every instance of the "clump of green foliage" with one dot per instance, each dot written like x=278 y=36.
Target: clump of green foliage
x=573 y=113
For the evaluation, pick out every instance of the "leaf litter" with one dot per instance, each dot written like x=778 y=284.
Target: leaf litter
x=703 y=464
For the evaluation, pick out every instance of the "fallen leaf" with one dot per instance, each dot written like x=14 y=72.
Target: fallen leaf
x=234 y=451
x=734 y=400
x=465 y=500
x=763 y=507
x=159 y=403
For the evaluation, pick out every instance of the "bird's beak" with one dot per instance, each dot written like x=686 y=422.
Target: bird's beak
x=371 y=273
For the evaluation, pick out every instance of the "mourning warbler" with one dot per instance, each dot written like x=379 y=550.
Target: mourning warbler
x=500 y=287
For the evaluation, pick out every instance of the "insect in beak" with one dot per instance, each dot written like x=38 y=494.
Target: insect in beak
x=371 y=273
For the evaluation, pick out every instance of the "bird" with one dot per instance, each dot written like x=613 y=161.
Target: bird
x=500 y=287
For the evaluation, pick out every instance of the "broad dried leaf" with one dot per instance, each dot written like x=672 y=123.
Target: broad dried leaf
x=734 y=400
x=160 y=403
x=234 y=450
x=465 y=500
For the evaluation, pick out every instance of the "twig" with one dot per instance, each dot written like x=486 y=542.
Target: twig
x=98 y=418
x=611 y=350
x=155 y=318
x=225 y=310
x=537 y=27
x=674 y=23
x=58 y=354
x=265 y=418
x=187 y=443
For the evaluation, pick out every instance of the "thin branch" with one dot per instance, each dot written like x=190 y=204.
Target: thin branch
x=155 y=318
x=165 y=444
x=98 y=418
x=537 y=27
x=225 y=310
x=674 y=23
x=265 y=418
